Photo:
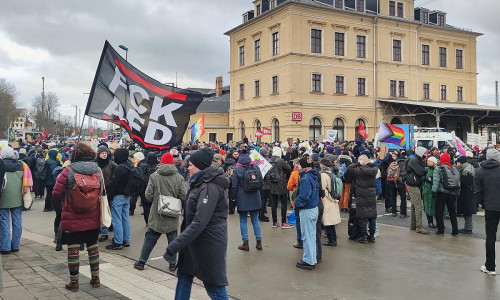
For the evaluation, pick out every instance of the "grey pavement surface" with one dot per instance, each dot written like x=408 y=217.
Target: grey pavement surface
x=400 y=265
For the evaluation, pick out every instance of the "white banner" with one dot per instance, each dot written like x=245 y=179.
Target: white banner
x=331 y=135
x=307 y=146
x=260 y=161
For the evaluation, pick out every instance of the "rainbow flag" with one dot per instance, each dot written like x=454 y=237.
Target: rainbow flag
x=391 y=134
x=197 y=129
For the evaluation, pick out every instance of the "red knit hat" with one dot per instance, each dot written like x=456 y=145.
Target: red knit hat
x=167 y=159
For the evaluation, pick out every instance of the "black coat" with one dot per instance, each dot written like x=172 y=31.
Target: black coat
x=486 y=185
x=366 y=198
x=203 y=241
x=467 y=204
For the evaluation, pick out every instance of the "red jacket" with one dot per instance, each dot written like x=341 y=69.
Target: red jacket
x=70 y=221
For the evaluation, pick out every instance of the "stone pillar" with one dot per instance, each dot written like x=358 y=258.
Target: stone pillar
x=471 y=124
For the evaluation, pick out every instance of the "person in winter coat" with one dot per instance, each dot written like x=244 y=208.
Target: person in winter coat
x=265 y=194
x=166 y=181
x=278 y=190
x=467 y=204
x=58 y=209
x=428 y=197
x=444 y=197
x=137 y=162
x=390 y=186
x=307 y=201
x=177 y=160
x=331 y=213
x=363 y=173
x=247 y=202
x=11 y=202
x=78 y=228
x=229 y=165
x=293 y=183
x=119 y=196
x=36 y=166
x=487 y=189
x=414 y=174
x=203 y=241
x=343 y=163
x=107 y=167
x=148 y=167
x=50 y=164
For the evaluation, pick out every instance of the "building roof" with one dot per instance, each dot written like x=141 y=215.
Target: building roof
x=211 y=103
x=444 y=105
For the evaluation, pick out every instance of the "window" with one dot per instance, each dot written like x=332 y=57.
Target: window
x=257 y=88
x=400 y=9
x=242 y=91
x=392 y=8
x=339 y=84
x=443 y=92
x=314 y=129
x=212 y=137
x=275 y=84
x=425 y=55
x=258 y=10
x=401 y=89
x=339 y=4
x=339 y=43
x=442 y=57
x=425 y=17
x=361 y=46
x=275 y=43
x=229 y=136
x=396 y=50
x=360 y=5
x=361 y=86
x=427 y=91
x=441 y=21
x=276 y=130
x=393 y=88
x=459 y=58
x=425 y=143
x=258 y=127
x=316 y=83
x=257 y=50
x=338 y=124
x=356 y=127
x=460 y=94
x=316 y=40
x=242 y=55
x=272 y=4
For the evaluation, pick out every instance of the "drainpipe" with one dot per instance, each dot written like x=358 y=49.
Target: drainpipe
x=417 y=63
x=375 y=73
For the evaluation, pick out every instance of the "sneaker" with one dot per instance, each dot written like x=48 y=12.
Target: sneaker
x=394 y=215
x=264 y=218
x=361 y=240
x=139 y=265
x=377 y=234
x=276 y=225
x=465 y=231
x=172 y=267
x=329 y=244
x=5 y=252
x=114 y=246
x=371 y=240
x=126 y=244
x=484 y=270
x=104 y=237
x=298 y=246
x=287 y=226
x=303 y=265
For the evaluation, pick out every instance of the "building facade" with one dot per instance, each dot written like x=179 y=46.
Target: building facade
x=302 y=67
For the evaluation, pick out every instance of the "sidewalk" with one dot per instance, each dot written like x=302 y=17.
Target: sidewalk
x=37 y=271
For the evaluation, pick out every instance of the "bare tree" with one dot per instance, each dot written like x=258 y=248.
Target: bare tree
x=9 y=105
x=44 y=111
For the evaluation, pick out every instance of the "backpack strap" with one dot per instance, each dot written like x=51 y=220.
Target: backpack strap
x=71 y=180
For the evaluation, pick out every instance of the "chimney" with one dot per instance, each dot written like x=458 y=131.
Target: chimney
x=218 y=86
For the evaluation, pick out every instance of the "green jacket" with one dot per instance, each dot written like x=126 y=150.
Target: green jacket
x=437 y=186
x=12 y=195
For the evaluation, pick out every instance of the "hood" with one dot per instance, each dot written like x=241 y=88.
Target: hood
x=85 y=167
x=229 y=161
x=121 y=155
x=313 y=173
x=12 y=165
x=345 y=158
x=166 y=170
x=490 y=164
x=151 y=159
x=244 y=159
x=53 y=154
x=214 y=175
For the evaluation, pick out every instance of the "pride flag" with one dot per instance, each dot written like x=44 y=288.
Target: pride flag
x=197 y=129
x=392 y=134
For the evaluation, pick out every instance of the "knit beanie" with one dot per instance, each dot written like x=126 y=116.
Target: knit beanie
x=490 y=154
x=326 y=162
x=329 y=149
x=167 y=159
x=139 y=156
x=7 y=152
x=462 y=159
x=102 y=148
x=433 y=159
x=131 y=147
x=277 y=151
x=22 y=151
x=202 y=159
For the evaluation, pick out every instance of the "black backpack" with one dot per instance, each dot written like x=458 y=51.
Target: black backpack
x=450 y=178
x=273 y=175
x=334 y=193
x=136 y=180
x=251 y=181
x=42 y=171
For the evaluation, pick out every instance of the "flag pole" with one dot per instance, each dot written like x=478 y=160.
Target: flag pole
x=81 y=128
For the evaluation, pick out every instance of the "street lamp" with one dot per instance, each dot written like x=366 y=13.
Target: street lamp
x=126 y=51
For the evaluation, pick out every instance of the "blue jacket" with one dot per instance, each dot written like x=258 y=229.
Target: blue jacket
x=52 y=163
x=308 y=190
x=245 y=201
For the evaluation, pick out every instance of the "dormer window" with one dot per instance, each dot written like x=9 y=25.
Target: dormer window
x=441 y=19
x=272 y=4
x=425 y=17
x=245 y=18
x=339 y=4
x=258 y=9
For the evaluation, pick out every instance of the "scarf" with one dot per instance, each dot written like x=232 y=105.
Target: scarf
x=305 y=170
x=27 y=179
x=468 y=169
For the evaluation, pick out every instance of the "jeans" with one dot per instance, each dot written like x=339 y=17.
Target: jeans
x=417 y=206
x=104 y=230
x=451 y=202
x=308 y=220
x=48 y=197
x=120 y=219
x=395 y=188
x=274 y=208
x=254 y=217
x=17 y=227
x=146 y=206
x=185 y=282
x=297 y=226
x=491 y=219
x=150 y=239
x=331 y=233
x=363 y=224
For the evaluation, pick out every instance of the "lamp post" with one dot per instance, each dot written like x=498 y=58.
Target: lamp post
x=126 y=51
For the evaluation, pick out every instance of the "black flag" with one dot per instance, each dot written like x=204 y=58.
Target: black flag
x=155 y=115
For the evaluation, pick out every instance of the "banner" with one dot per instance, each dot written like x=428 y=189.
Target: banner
x=266 y=131
x=259 y=134
x=331 y=135
x=261 y=162
x=198 y=129
x=307 y=146
x=155 y=115
x=44 y=136
x=284 y=147
x=105 y=135
x=362 y=131
x=395 y=136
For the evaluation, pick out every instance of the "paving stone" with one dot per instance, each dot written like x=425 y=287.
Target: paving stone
x=18 y=293
x=39 y=287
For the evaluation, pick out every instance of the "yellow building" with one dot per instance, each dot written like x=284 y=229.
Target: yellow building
x=302 y=67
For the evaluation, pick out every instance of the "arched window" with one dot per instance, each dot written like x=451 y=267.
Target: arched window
x=396 y=121
x=276 y=130
x=338 y=124
x=359 y=122
x=258 y=127
x=314 y=129
x=425 y=124
x=242 y=131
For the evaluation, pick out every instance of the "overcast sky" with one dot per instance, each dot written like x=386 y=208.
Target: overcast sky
x=62 y=41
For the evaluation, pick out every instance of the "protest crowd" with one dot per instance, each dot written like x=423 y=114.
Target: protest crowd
x=189 y=191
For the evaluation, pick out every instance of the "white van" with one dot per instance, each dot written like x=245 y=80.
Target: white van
x=436 y=137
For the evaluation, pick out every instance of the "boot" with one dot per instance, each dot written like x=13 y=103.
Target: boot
x=95 y=282
x=371 y=239
x=104 y=237
x=422 y=230
x=244 y=247
x=259 y=245
x=73 y=284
